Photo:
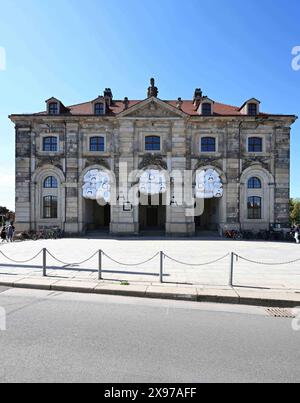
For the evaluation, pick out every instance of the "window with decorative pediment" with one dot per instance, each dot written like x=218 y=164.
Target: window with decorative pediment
x=50 y=144
x=97 y=144
x=152 y=143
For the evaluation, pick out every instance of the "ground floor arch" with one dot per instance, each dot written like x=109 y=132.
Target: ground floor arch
x=152 y=212
x=211 y=216
x=96 y=217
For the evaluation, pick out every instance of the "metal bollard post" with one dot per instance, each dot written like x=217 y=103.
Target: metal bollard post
x=161 y=271
x=100 y=266
x=44 y=262
x=231 y=269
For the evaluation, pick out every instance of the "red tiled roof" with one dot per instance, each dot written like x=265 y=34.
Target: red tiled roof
x=118 y=107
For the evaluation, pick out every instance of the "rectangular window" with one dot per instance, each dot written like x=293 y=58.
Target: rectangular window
x=50 y=207
x=99 y=109
x=255 y=145
x=50 y=144
x=97 y=144
x=53 y=108
x=254 y=208
x=206 y=109
x=152 y=143
x=252 y=109
x=208 y=145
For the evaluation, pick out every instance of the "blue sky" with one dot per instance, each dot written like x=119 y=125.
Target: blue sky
x=73 y=49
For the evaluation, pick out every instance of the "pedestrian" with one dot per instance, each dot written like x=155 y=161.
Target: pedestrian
x=3 y=235
x=10 y=233
x=297 y=234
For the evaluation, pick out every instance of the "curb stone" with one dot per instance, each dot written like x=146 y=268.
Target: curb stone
x=283 y=299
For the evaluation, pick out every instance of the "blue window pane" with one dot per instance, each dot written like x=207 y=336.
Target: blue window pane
x=255 y=145
x=152 y=143
x=208 y=144
x=254 y=183
x=50 y=144
x=97 y=144
x=50 y=183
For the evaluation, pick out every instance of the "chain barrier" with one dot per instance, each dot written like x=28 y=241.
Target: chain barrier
x=21 y=261
x=149 y=260
x=196 y=265
x=267 y=263
x=72 y=264
x=130 y=264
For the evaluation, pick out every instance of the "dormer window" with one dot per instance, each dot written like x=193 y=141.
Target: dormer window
x=206 y=109
x=53 y=108
x=252 y=109
x=99 y=109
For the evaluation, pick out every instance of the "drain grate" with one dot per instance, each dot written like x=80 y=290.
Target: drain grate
x=281 y=313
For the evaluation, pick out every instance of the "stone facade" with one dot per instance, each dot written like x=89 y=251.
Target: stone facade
x=124 y=127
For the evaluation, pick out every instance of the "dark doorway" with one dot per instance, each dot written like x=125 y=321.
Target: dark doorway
x=152 y=213
x=97 y=217
x=152 y=216
x=210 y=219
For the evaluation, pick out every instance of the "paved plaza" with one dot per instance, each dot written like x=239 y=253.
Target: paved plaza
x=135 y=251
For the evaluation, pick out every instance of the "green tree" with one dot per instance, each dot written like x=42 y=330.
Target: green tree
x=295 y=211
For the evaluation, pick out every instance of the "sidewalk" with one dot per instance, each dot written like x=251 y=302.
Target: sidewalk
x=235 y=295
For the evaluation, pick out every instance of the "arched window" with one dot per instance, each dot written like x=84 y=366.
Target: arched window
x=97 y=144
x=152 y=143
x=50 y=207
x=254 y=208
x=50 y=183
x=254 y=183
x=99 y=109
x=208 y=144
x=53 y=108
x=50 y=144
x=206 y=109
x=255 y=145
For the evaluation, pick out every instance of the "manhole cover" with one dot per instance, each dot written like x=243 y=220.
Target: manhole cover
x=281 y=313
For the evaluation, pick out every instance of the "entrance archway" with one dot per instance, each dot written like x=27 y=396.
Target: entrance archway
x=209 y=188
x=210 y=219
x=152 y=213
x=97 y=218
x=96 y=200
x=153 y=201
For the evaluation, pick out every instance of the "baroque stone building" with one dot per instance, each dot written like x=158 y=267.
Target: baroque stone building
x=76 y=166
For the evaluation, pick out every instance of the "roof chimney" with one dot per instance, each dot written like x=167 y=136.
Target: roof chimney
x=197 y=97
x=108 y=96
x=126 y=103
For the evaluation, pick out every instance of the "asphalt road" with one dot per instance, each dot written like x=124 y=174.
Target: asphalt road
x=61 y=337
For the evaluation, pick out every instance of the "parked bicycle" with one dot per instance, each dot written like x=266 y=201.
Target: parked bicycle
x=235 y=235
x=53 y=233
